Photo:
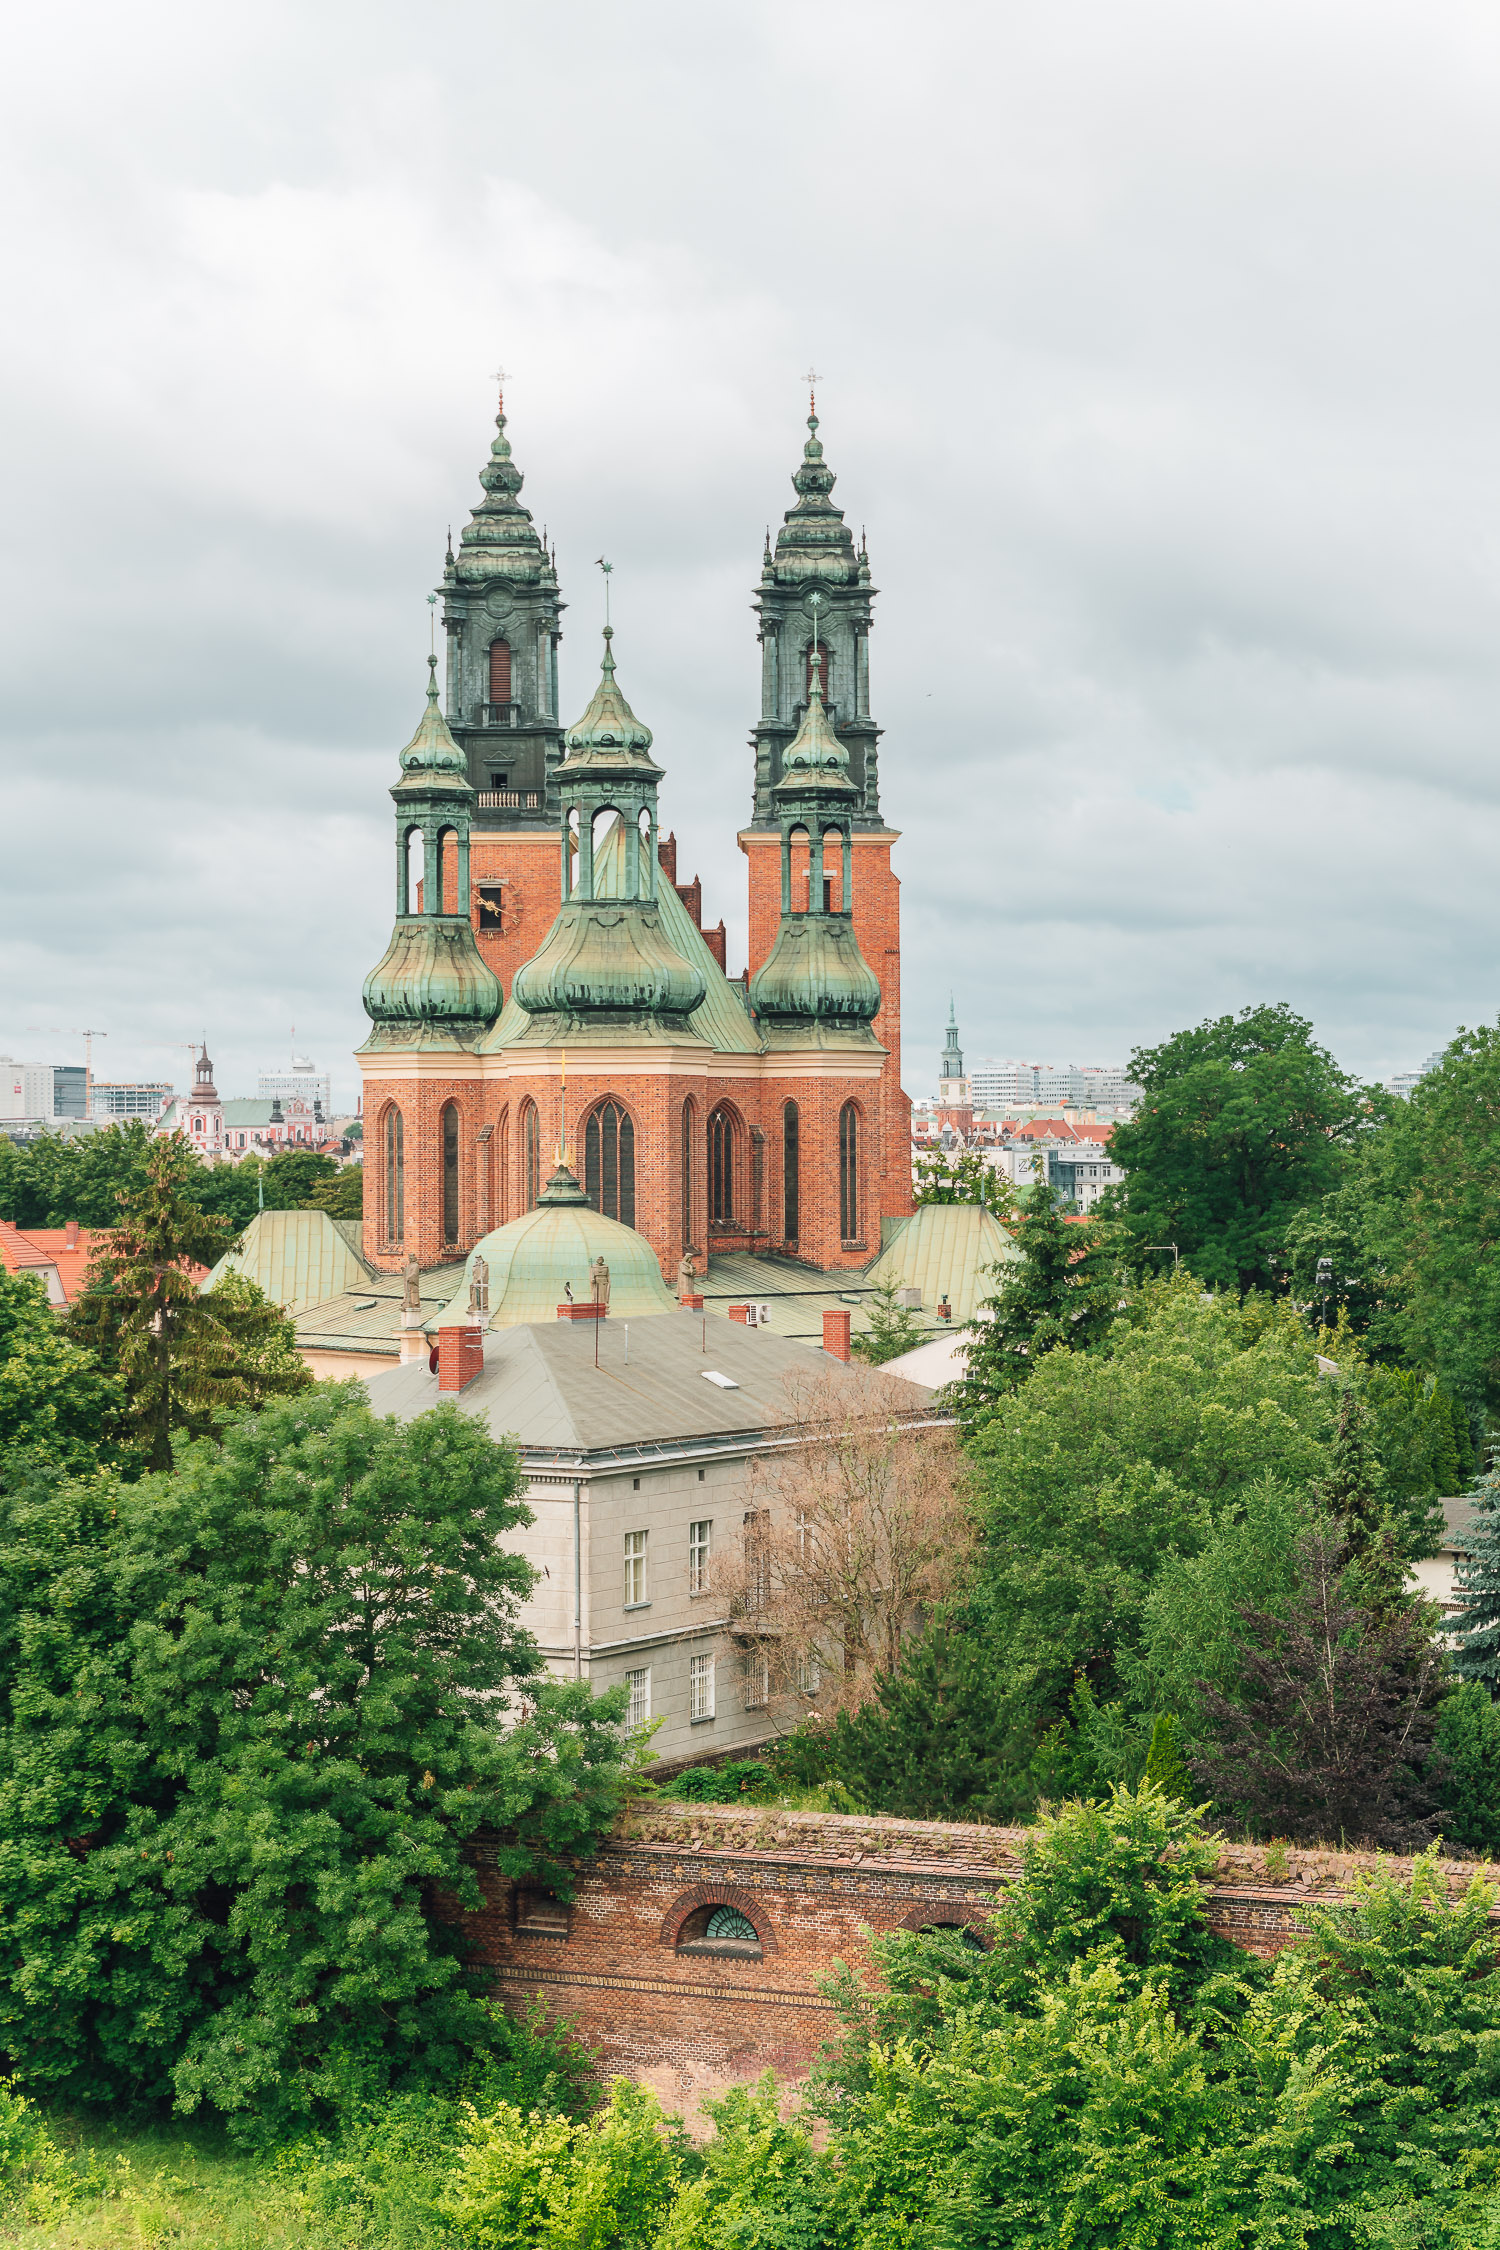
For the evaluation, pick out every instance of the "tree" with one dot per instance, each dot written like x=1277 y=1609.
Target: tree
x=296 y=1176
x=253 y=1716
x=1242 y=1123
x=343 y=1198
x=50 y=1180
x=1420 y=1432
x=893 y=1329
x=55 y=1399
x=187 y=1356
x=1331 y=1734
x=1061 y=1295
x=1468 y=1745
x=962 y=1176
x=235 y=1192
x=1381 y=1538
x=852 y=1537
x=1476 y=1644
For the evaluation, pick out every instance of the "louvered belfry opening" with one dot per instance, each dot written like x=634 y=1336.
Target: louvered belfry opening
x=499 y=672
x=609 y=1163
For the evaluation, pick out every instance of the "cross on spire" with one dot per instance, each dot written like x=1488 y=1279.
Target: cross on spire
x=812 y=379
x=500 y=385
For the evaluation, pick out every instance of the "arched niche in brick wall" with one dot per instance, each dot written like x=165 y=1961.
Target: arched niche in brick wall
x=685 y=1927
x=968 y=1922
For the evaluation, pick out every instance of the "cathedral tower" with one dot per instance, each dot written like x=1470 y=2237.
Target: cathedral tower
x=502 y=613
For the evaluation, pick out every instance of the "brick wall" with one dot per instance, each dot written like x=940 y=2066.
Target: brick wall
x=814 y=1886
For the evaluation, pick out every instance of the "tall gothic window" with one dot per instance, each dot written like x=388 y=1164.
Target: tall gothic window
x=395 y=1177
x=791 y=1127
x=849 y=1172
x=499 y=672
x=721 y=1169
x=531 y=1157
x=609 y=1163
x=500 y=1195
x=450 y=1172
x=689 y=1129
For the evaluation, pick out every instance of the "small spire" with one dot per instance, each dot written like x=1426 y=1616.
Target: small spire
x=448 y=558
x=432 y=693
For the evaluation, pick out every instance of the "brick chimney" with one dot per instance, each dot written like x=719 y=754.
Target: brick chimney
x=836 y=1334
x=460 y=1356
x=741 y=1313
x=71 y=1239
x=691 y=895
x=718 y=945
x=666 y=856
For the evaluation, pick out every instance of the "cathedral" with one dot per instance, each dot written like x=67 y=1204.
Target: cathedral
x=549 y=996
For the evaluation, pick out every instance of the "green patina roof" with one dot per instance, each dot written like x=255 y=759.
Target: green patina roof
x=432 y=755
x=299 y=1258
x=532 y=1257
x=816 y=765
x=816 y=976
x=501 y=540
x=722 y=1020
x=432 y=974
x=947 y=1247
x=609 y=738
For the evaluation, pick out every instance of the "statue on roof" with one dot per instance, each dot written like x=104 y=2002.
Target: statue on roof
x=599 y=1283
x=411 y=1285
x=687 y=1275
x=479 y=1285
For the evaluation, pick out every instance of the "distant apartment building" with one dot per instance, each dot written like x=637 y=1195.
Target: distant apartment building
x=30 y=1091
x=300 y=1083
x=1001 y=1085
x=1404 y=1080
x=116 y=1098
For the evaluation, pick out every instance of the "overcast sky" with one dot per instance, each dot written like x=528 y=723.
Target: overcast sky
x=1160 y=349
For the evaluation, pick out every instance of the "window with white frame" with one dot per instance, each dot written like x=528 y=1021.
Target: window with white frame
x=700 y=1543
x=700 y=1687
x=635 y=1569
x=638 y=1710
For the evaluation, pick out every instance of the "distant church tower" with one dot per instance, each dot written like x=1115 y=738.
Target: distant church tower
x=953 y=1087
x=502 y=612
x=815 y=590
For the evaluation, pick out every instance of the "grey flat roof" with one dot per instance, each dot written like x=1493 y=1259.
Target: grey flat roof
x=540 y=1385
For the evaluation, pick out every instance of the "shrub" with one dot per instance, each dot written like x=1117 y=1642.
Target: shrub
x=533 y=2182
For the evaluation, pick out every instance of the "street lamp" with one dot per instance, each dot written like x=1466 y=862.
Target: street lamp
x=1176 y=1257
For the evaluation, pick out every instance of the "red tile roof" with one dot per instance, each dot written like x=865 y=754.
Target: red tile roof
x=68 y=1248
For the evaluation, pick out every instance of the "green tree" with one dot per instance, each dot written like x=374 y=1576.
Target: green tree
x=961 y=1176
x=48 y=1181
x=255 y=1713
x=343 y=1198
x=295 y=1177
x=1476 y=1644
x=544 y=2183
x=234 y=1192
x=187 y=1356
x=55 y=1399
x=1468 y=1744
x=1242 y=1123
x=893 y=1329
x=1420 y=1433
x=1061 y=1294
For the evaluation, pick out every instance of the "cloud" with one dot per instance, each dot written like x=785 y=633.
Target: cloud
x=1159 y=351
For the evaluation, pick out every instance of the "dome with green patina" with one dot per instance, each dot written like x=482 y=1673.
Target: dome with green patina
x=536 y=1260
x=609 y=738
x=609 y=961
x=432 y=972
x=432 y=759
x=501 y=539
x=816 y=764
x=815 y=973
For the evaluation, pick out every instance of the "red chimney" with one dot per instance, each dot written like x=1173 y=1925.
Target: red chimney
x=718 y=945
x=71 y=1241
x=741 y=1313
x=691 y=895
x=460 y=1356
x=836 y=1334
x=666 y=854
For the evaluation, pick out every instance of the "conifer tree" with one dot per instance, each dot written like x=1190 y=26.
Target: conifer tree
x=1476 y=1647
x=187 y=1356
x=1060 y=1294
x=893 y=1328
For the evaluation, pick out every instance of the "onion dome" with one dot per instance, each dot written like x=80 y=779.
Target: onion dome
x=815 y=541
x=536 y=1260
x=432 y=755
x=609 y=961
x=609 y=738
x=815 y=973
x=501 y=540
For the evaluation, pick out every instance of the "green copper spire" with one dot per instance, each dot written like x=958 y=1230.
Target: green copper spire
x=431 y=978
x=609 y=737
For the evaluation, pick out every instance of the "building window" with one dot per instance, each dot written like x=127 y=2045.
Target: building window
x=721 y=1169
x=450 y=1173
x=700 y=1688
x=395 y=1177
x=757 y=1681
x=721 y=1930
x=757 y=1558
x=635 y=1569
x=638 y=1710
x=490 y=899
x=791 y=1126
x=531 y=1157
x=500 y=1172
x=609 y=1163
x=700 y=1542
x=499 y=672
x=849 y=1172
x=689 y=1115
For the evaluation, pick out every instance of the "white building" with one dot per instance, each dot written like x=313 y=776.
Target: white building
x=26 y=1089
x=1404 y=1080
x=143 y=1099
x=301 y=1083
x=997 y=1084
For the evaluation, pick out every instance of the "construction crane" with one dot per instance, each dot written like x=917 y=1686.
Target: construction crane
x=71 y=1031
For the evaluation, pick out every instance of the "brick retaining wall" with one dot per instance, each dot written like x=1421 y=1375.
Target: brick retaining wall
x=814 y=1885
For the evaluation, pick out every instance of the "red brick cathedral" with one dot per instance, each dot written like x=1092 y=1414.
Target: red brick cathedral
x=549 y=985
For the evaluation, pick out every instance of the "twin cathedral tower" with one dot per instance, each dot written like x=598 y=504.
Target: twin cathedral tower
x=548 y=988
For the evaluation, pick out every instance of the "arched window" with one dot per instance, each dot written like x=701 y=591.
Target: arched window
x=609 y=1163
x=689 y=1130
x=807 y=660
x=395 y=1178
x=531 y=1157
x=499 y=672
x=500 y=1195
x=791 y=1127
x=849 y=1172
x=721 y=1169
x=450 y=1172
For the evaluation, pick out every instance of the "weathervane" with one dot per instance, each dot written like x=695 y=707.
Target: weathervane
x=606 y=567
x=815 y=603
x=432 y=622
